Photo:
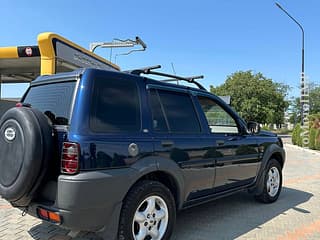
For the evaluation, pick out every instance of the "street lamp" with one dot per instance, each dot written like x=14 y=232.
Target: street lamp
x=302 y=93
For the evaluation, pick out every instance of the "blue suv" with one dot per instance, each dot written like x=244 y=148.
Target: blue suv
x=119 y=153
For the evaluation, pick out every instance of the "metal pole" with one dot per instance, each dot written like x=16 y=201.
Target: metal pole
x=302 y=93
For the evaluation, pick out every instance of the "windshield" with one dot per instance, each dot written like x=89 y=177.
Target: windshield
x=54 y=100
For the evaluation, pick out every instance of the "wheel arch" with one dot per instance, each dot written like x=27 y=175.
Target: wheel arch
x=279 y=157
x=163 y=170
x=274 y=151
x=166 y=179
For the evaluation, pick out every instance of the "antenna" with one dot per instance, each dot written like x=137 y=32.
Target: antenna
x=174 y=72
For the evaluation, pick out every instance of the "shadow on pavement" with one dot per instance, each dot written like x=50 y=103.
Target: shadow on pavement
x=46 y=231
x=231 y=217
x=226 y=218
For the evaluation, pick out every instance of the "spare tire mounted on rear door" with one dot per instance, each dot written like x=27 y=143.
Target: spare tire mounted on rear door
x=25 y=150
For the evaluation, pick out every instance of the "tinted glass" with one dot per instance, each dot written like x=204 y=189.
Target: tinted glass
x=55 y=100
x=158 y=118
x=116 y=106
x=218 y=119
x=179 y=111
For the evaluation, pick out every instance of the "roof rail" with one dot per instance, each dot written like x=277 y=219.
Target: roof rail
x=173 y=78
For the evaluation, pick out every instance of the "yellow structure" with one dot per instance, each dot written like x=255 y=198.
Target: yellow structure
x=53 y=54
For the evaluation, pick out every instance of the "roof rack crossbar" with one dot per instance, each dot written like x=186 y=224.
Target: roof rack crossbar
x=148 y=70
x=145 y=70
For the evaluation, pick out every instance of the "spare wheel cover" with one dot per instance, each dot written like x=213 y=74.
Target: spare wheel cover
x=21 y=153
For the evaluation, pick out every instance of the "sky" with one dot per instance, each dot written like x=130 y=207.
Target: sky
x=213 y=38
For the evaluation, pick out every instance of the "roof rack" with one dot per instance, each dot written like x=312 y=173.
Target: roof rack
x=173 y=78
x=145 y=70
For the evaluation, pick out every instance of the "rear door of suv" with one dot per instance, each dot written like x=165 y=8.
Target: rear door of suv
x=178 y=136
x=109 y=122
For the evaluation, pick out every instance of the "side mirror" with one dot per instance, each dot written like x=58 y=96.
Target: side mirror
x=253 y=127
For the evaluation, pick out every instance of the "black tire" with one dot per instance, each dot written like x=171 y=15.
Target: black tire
x=136 y=196
x=24 y=159
x=266 y=196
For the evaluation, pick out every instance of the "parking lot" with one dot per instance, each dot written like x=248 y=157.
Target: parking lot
x=296 y=215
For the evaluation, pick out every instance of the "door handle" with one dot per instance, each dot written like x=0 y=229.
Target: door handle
x=220 y=142
x=167 y=143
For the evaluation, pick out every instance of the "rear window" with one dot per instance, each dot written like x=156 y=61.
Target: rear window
x=116 y=106
x=55 y=100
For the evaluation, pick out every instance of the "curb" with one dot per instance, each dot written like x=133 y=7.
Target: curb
x=315 y=152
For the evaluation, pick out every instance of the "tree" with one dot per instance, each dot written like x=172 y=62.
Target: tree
x=295 y=111
x=314 y=98
x=255 y=97
x=314 y=102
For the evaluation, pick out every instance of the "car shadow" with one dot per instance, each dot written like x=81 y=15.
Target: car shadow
x=226 y=218
x=45 y=231
x=231 y=217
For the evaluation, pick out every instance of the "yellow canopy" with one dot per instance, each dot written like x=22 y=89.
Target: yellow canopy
x=53 y=54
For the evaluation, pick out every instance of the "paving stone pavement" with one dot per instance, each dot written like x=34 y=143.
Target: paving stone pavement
x=295 y=216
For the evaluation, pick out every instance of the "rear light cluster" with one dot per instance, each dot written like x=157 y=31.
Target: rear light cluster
x=70 y=158
x=49 y=215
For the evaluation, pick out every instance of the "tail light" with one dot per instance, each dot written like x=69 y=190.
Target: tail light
x=50 y=216
x=70 y=158
x=19 y=104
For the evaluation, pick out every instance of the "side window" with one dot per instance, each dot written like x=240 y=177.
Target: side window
x=218 y=119
x=158 y=119
x=179 y=112
x=116 y=106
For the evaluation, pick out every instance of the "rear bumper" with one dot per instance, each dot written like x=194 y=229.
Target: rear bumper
x=93 y=219
x=89 y=201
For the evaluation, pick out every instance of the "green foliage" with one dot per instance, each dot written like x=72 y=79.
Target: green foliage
x=296 y=135
x=314 y=97
x=266 y=128
x=315 y=128
x=283 y=131
x=314 y=102
x=255 y=97
x=295 y=110
x=314 y=133
x=315 y=120
x=312 y=138
x=317 y=139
